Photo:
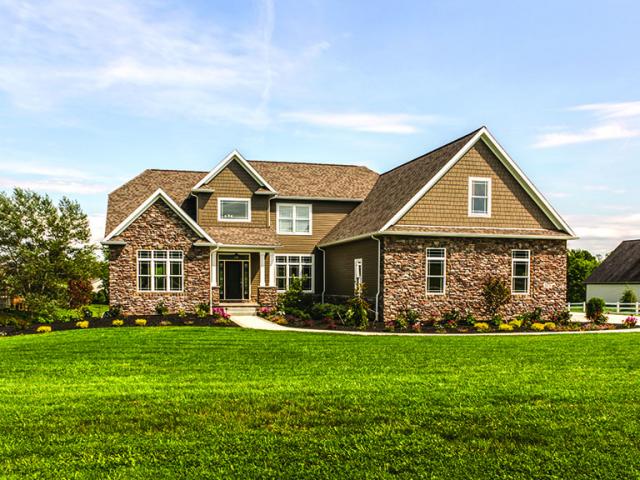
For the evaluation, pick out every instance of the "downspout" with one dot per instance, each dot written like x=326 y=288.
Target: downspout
x=324 y=273
x=378 y=276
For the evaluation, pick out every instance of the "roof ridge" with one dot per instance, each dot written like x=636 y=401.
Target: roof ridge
x=351 y=165
x=434 y=150
x=173 y=170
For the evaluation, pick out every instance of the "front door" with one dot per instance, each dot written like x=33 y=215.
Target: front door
x=233 y=280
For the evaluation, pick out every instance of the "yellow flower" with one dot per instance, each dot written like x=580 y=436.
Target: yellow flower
x=43 y=329
x=83 y=324
x=117 y=323
x=140 y=322
x=537 y=326
x=549 y=326
x=482 y=327
x=505 y=327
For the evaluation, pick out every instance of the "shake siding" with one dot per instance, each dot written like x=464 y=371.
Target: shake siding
x=235 y=182
x=340 y=267
x=447 y=202
x=326 y=215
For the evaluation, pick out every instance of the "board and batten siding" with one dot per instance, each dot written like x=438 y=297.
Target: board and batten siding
x=340 y=267
x=234 y=182
x=446 y=204
x=325 y=215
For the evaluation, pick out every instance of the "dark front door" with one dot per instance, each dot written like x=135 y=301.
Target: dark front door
x=232 y=280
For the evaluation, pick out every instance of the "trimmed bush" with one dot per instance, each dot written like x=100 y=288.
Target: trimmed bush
x=496 y=294
x=628 y=296
x=595 y=310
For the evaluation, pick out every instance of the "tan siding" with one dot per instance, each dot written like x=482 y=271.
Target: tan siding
x=254 y=272
x=447 y=202
x=339 y=267
x=326 y=215
x=235 y=182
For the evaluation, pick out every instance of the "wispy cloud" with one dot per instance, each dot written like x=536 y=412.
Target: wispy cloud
x=54 y=185
x=615 y=121
x=602 y=233
x=397 y=123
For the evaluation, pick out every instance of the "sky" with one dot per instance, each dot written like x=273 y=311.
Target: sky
x=92 y=93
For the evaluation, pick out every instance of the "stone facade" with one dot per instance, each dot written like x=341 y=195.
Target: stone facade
x=158 y=228
x=470 y=262
x=267 y=296
x=215 y=296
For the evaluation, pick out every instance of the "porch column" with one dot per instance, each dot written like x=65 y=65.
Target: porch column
x=262 y=269
x=214 y=269
x=272 y=270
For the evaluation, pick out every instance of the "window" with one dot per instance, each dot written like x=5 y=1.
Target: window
x=436 y=270
x=520 y=270
x=294 y=219
x=160 y=271
x=234 y=210
x=357 y=274
x=479 y=197
x=290 y=266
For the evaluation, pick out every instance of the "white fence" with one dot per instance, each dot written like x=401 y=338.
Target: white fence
x=617 y=307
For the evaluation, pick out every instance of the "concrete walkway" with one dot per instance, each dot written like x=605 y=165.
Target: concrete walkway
x=258 y=323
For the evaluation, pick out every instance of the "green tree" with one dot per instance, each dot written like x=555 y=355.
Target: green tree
x=580 y=264
x=42 y=247
x=628 y=295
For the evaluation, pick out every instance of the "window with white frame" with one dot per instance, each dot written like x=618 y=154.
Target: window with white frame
x=294 y=219
x=160 y=271
x=290 y=266
x=436 y=270
x=520 y=271
x=234 y=210
x=357 y=274
x=479 y=197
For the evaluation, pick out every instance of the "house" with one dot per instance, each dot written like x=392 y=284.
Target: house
x=621 y=269
x=425 y=235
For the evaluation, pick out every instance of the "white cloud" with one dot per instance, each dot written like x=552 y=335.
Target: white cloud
x=398 y=123
x=55 y=185
x=602 y=233
x=602 y=132
x=612 y=110
x=20 y=167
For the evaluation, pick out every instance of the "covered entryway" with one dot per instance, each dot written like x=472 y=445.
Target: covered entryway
x=234 y=277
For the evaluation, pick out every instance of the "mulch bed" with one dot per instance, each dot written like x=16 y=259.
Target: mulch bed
x=152 y=321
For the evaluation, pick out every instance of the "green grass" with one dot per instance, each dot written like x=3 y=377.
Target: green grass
x=231 y=403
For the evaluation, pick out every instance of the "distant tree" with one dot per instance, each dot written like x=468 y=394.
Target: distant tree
x=580 y=264
x=43 y=246
x=628 y=295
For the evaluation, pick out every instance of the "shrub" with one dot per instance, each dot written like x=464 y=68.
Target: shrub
x=161 y=309
x=221 y=321
x=505 y=327
x=182 y=313
x=516 y=323
x=482 y=327
x=280 y=320
x=294 y=297
x=496 y=294
x=295 y=314
x=219 y=313
x=537 y=326
x=80 y=292
x=113 y=312
x=83 y=324
x=117 y=323
x=321 y=311
x=357 y=313
x=165 y=323
x=561 y=317
x=401 y=322
x=43 y=329
x=595 y=308
x=100 y=297
x=550 y=326
x=202 y=310
x=188 y=322
x=630 y=322
x=416 y=327
x=86 y=313
x=140 y=322
x=469 y=320
x=497 y=320
x=266 y=312
x=389 y=326
x=628 y=296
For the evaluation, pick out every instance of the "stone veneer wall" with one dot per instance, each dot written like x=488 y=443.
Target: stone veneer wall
x=267 y=296
x=158 y=228
x=470 y=262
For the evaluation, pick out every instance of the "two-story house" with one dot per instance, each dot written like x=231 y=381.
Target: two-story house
x=425 y=235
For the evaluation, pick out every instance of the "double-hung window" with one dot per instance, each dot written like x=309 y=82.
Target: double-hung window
x=520 y=271
x=436 y=270
x=234 y=210
x=294 y=219
x=291 y=266
x=160 y=271
x=479 y=197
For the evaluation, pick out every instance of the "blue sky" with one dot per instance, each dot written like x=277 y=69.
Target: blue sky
x=91 y=93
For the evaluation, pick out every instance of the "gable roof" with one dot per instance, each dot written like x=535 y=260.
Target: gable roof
x=234 y=156
x=621 y=266
x=399 y=189
x=159 y=194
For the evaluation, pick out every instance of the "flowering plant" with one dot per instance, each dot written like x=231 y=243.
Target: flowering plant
x=83 y=324
x=220 y=312
x=630 y=322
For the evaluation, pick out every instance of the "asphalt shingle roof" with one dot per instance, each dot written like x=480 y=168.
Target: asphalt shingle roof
x=621 y=266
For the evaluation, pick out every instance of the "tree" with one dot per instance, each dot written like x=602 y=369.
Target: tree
x=42 y=247
x=496 y=295
x=628 y=295
x=580 y=264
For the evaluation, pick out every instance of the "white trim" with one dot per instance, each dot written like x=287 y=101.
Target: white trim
x=234 y=199
x=513 y=168
x=294 y=217
x=470 y=197
x=528 y=260
x=272 y=270
x=444 y=271
x=228 y=247
x=235 y=155
x=152 y=276
x=159 y=194
x=224 y=266
x=214 y=269
x=357 y=280
x=324 y=199
x=287 y=255
x=262 y=269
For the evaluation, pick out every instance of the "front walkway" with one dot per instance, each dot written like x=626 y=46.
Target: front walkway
x=257 y=323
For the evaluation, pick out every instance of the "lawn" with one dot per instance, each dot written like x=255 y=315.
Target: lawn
x=194 y=402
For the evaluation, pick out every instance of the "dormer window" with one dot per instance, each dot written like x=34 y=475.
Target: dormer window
x=234 y=210
x=479 y=197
